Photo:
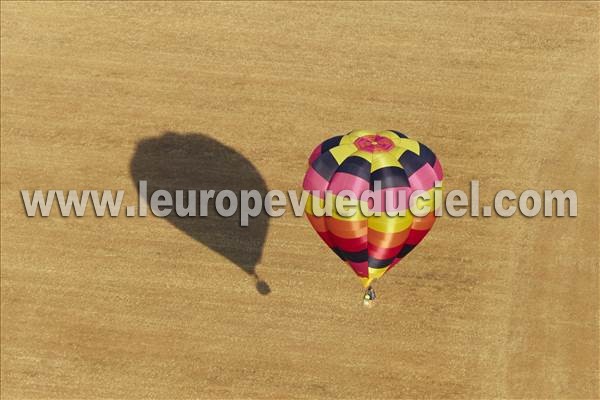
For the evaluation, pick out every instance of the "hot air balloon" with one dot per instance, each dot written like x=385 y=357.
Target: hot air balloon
x=390 y=167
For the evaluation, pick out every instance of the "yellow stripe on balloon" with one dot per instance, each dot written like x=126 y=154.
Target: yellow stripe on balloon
x=365 y=281
x=382 y=160
x=385 y=223
x=341 y=152
x=410 y=144
x=376 y=273
x=396 y=152
x=347 y=139
x=422 y=203
x=364 y=154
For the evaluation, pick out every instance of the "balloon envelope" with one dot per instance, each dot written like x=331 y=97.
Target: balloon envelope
x=385 y=168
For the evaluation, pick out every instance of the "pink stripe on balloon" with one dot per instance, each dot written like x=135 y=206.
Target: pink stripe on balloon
x=423 y=179
x=360 y=268
x=439 y=173
x=345 y=181
x=314 y=181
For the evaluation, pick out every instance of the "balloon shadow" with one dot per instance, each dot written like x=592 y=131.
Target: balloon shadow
x=194 y=161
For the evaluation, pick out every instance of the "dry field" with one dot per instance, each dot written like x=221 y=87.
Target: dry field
x=98 y=95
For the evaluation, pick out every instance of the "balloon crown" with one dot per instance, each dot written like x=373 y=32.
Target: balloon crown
x=374 y=143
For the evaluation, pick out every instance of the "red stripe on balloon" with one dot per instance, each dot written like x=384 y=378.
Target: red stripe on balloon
x=383 y=253
x=360 y=268
x=350 y=244
x=415 y=236
x=326 y=236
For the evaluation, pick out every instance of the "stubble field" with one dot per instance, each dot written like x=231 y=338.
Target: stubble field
x=98 y=95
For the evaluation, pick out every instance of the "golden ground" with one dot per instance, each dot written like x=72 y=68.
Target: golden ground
x=141 y=307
